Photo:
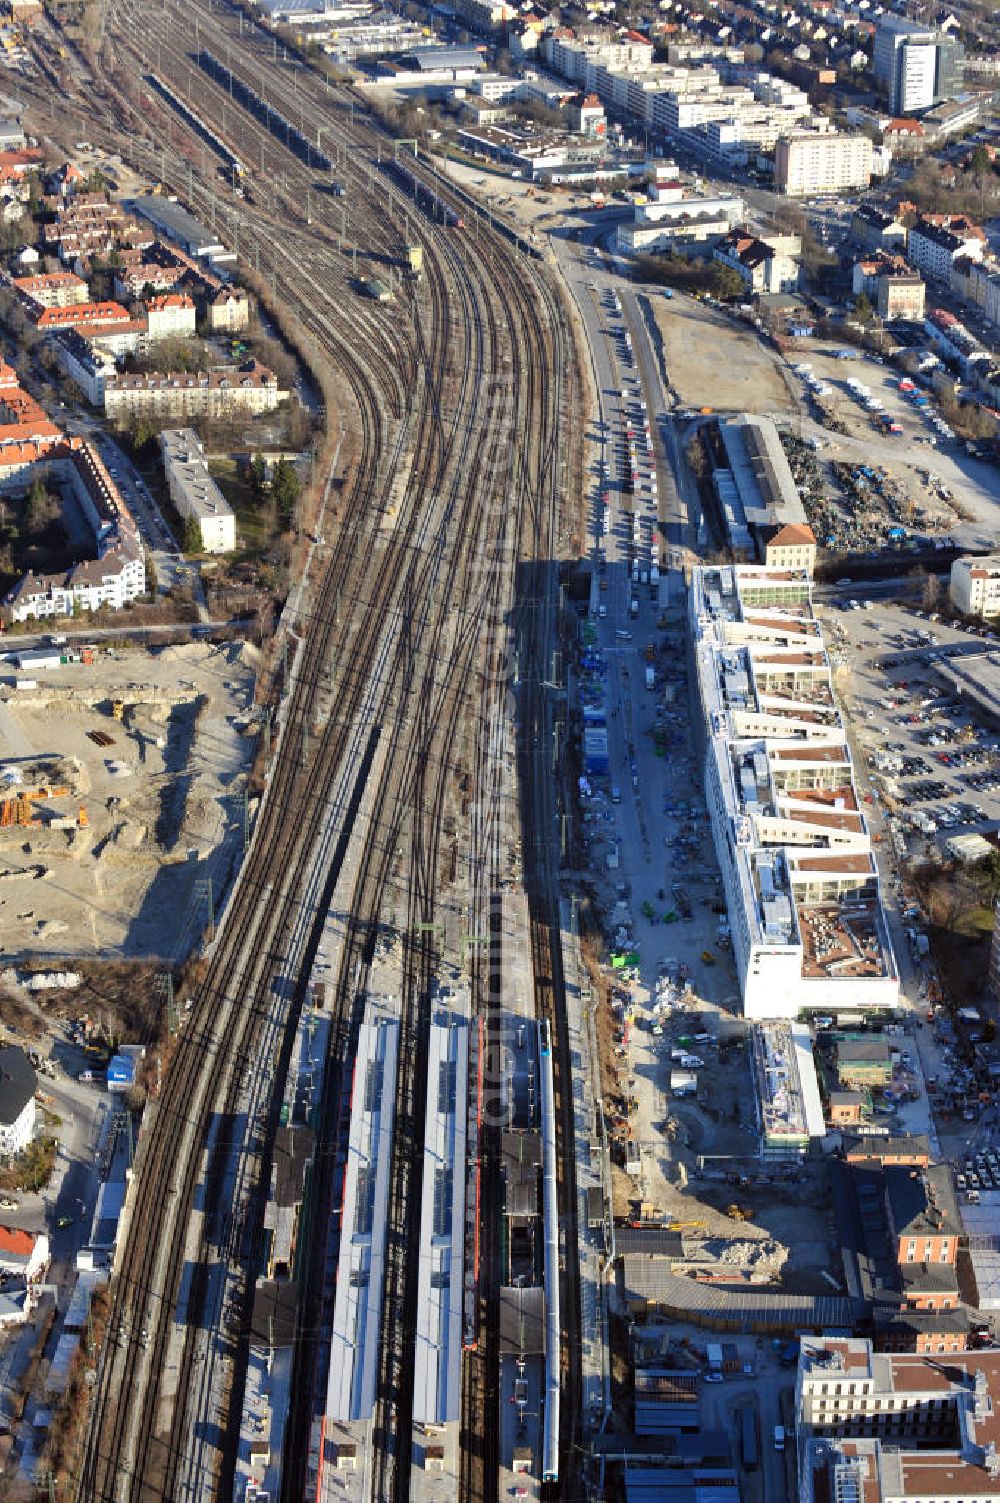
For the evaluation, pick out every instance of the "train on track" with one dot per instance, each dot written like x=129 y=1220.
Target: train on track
x=235 y=172
x=281 y=128
x=550 y=1208
x=432 y=205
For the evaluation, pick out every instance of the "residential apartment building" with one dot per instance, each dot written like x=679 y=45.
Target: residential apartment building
x=220 y=392
x=117 y=575
x=874 y=230
x=978 y=282
x=934 y=248
x=84 y=362
x=229 y=311
x=580 y=58
x=104 y=316
x=900 y=297
x=729 y=122
x=194 y=492
x=811 y=162
x=897 y=292
x=17 y=1100
x=798 y=869
x=890 y=1428
x=765 y=263
x=89 y=226
x=974 y=587
x=56 y=289
x=170 y=313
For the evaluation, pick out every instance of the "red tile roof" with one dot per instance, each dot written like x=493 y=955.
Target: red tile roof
x=792 y=535
x=14 y=1240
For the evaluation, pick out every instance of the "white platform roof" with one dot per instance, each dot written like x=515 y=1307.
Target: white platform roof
x=437 y=1363
x=357 y=1315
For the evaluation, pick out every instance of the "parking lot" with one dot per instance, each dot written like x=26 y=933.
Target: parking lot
x=933 y=763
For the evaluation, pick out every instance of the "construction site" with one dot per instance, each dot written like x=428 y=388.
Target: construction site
x=123 y=804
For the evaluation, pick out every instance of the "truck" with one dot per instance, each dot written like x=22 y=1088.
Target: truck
x=650 y=677
x=633 y=608
x=683 y=1083
x=779 y=1437
x=748 y=1439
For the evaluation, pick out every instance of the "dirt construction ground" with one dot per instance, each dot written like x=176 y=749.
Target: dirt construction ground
x=717 y=362
x=162 y=790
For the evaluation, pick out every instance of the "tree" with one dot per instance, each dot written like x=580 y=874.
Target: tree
x=988 y=871
x=863 y=310
x=143 y=434
x=285 y=489
x=727 y=282
x=38 y=504
x=931 y=593
x=150 y=575
x=258 y=474
x=980 y=163
x=191 y=537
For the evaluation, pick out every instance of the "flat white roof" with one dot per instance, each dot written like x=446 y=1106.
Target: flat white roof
x=187 y=468
x=357 y=1314
x=777 y=750
x=437 y=1358
x=812 y=1104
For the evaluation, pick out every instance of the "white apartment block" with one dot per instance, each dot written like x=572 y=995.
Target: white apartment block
x=17 y=1100
x=793 y=845
x=83 y=362
x=980 y=284
x=170 y=313
x=810 y=162
x=974 y=587
x=193 y=491
x=116 y=576
x=579 y=58
x=932 y=249
x=727 y=121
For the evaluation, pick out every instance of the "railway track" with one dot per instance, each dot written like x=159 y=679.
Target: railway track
x=384 y=615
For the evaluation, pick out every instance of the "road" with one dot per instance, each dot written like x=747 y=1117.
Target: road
x=590 y=280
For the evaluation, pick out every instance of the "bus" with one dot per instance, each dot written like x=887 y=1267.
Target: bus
x=748 y=1439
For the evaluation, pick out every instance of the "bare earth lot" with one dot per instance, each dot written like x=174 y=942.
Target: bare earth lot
x=714 y=361
x=163 y=800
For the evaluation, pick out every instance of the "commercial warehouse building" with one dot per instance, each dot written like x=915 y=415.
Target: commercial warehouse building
x=761 y=506
x=793 y=845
